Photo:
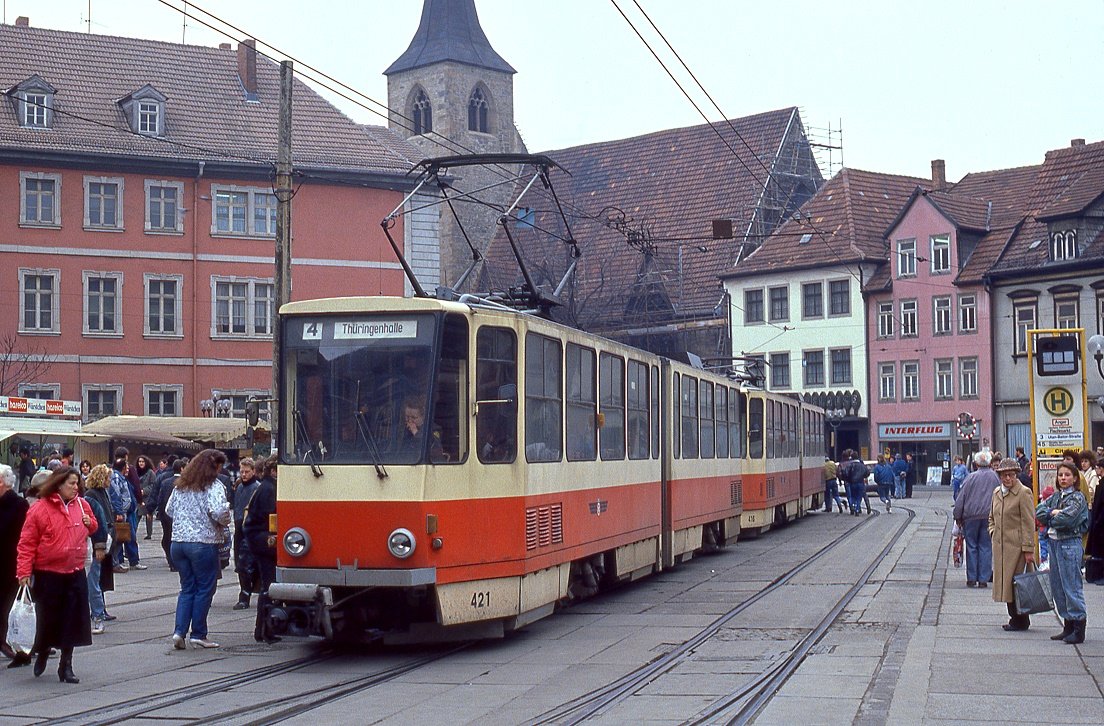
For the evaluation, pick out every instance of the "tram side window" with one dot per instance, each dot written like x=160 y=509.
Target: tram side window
x=655 y=411
x=722 y=422
x=638 y=410
x=755 y=428
x=676 y=401
x=611 y=387
x=582 y=403
x=772 y=434
x=450 y=393
x=737 y=435
x=708 y=433
x=543 y=399
x=791 y=419
x=496 y=395
x=689 y=417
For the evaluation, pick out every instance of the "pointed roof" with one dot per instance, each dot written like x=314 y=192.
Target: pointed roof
x=449 y=31
x=844 y=222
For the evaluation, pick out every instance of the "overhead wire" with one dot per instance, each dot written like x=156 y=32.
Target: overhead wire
x=801 y=220
x=389 y=114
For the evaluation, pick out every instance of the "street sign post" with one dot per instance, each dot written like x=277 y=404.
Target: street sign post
x=1059 y=404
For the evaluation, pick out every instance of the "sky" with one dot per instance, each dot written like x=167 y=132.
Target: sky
x=982 y=84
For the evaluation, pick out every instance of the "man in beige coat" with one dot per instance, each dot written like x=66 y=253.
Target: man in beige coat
x=1012 y=527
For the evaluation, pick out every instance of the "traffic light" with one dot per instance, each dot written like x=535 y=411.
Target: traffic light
x=252 y=412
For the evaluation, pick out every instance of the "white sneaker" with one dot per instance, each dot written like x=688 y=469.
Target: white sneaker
x=203 y=643
x=139 y=566
x=97 y=626
x=178 y=641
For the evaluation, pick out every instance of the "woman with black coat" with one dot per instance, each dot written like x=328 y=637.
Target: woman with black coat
x=13 y=511
x=262 y=544
x=1095 y=549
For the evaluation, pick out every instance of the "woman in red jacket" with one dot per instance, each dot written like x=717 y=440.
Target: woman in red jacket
x=52 y=547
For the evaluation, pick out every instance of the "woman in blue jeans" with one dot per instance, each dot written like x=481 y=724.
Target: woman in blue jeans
x=1065 y=514
x=199 y=512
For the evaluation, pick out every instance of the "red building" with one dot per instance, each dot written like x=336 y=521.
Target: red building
x=137 y=217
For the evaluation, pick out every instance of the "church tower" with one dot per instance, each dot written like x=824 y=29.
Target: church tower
x=450 y=93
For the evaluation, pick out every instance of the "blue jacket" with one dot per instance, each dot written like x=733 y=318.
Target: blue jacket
x=883 y=474
x=1071 y=521
x=900 y=466
x=119 y=492
x=958 y=473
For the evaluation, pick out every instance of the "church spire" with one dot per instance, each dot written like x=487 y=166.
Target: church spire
x=449 y=31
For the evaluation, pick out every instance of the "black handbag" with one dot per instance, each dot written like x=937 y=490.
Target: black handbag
x=1032 y=591
x=1094 y=569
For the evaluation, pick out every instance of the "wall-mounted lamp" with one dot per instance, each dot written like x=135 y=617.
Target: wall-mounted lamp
x=1095 y=346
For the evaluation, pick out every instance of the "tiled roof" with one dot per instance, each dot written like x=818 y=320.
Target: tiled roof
x=1007 y=190
x=672 y=183
x=844 y=222
x=1068 y=180
x=207 y=116
x=1077 y=173
x=965 y=212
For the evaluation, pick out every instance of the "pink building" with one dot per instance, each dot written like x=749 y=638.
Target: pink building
x=929 y=332
x=137 y=217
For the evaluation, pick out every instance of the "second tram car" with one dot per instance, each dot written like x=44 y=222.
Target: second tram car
x=457 y=469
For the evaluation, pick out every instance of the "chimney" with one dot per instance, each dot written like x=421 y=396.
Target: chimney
x=939 y=174
x=1077 y=142
x=22 y=22
x=224 y=46
x=247 y=67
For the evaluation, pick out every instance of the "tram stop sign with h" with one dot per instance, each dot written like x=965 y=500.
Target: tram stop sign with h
x=1058 y=392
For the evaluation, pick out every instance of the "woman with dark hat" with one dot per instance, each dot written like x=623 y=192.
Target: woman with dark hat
x=52 y=547
x=1012 y=527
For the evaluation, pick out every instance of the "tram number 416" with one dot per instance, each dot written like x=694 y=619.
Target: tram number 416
x=481 y=599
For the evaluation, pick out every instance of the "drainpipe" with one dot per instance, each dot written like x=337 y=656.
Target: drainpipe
x=195 y=289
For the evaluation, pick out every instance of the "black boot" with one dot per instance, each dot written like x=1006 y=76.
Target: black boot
x=243 y=601
x=65 y=667
x=40 y=662
x=1067 y=628
x=1078 y=634
x=1015 y=620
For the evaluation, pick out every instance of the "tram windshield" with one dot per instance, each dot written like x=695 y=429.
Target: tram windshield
x=373 y=390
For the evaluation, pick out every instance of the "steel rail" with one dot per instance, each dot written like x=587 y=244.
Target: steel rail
x=601 y=699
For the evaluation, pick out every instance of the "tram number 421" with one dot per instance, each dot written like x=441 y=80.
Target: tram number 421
x=481 y=599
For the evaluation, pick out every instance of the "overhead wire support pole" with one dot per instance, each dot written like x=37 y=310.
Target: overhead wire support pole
x=284 y=193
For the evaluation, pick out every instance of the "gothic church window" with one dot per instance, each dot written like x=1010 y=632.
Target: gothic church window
x=477 y=112
x=423 y=114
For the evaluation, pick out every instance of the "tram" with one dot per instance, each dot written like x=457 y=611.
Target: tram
x=457 y=469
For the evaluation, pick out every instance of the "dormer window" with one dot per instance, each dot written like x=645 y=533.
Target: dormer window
x=145 y=111
x=34 y=103
x=1063 y=245
x=149 y=118
x=34 y=109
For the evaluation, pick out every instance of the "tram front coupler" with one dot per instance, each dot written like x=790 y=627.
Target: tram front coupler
x=298 y=609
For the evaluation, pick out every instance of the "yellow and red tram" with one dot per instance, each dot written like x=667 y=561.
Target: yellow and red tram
x=457 y=469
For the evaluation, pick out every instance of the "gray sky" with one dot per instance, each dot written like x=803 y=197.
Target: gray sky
x=982 y=84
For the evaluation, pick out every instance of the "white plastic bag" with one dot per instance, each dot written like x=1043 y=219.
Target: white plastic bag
x=22 y=622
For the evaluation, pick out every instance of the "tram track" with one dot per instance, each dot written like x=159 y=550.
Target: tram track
x=743 y=706
x=147 y=704
x=599 y=701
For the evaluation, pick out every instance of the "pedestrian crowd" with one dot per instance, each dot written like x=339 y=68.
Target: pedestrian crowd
x=894 y=478
x=66 y=531
x=999 y=518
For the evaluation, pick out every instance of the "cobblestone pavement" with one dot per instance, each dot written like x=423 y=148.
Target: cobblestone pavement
x=914 y=646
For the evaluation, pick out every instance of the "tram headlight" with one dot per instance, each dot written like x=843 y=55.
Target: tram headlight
x=297 y=542
x=401 y=543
